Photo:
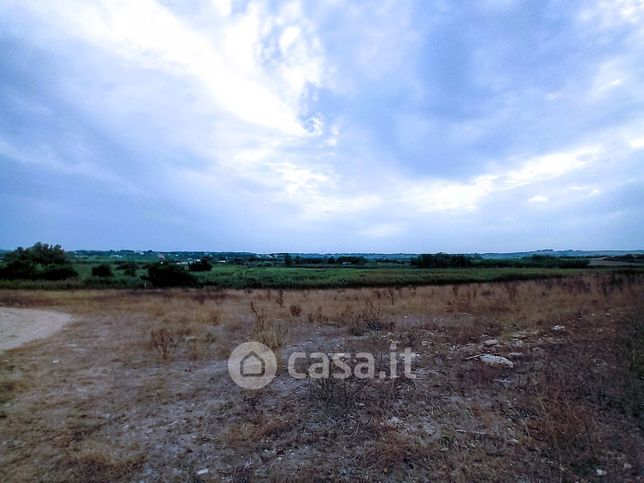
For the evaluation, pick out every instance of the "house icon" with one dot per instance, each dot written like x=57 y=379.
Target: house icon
x=252 y=365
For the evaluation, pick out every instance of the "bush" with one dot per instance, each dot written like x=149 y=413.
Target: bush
x=57 y=272
x=169 y=275
x=202 y=265
x=18 y=270
x=129 y=268
x=102 y=270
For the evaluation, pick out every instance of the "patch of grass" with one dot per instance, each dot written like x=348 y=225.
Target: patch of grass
x=99 y=462
x=267 y=330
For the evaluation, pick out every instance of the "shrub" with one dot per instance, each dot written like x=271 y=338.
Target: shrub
x=202 y=265
x=58 y=272
x=129 y=268
x=296 y=310
x=267 y=331
x=163 y=342
x=102 y=270
x=369 y=319
x=169 y=275
x=18 y=270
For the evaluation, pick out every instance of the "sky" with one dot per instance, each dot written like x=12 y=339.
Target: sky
x=322 y=126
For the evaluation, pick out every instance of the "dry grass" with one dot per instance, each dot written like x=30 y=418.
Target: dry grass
x=146 y=372
x=99 y=462
x=267 y=330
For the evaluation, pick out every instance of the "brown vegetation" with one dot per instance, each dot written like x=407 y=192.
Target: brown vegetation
x=137 y=387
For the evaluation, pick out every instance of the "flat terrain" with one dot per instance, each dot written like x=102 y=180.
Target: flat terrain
x=242 y=277
x=136 y=387
x=19 y=326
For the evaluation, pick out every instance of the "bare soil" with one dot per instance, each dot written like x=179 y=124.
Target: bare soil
x=19 y=326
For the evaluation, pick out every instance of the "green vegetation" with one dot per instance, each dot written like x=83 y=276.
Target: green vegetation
x=282 y=277
x=441 y=260
x=46 y=266
x=169 y=275
x=102 y=270
x=40 y=262
x=202 y=265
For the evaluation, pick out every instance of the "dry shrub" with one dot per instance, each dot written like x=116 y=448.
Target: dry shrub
x=268 y=331
x=317 y=316
x=242 y=473
x=163 y=342
x=394 y=450
x=296 y=310
x=374 y=396
x=258 y=427
x=99 y=462
x=368 y=319
x=335 y=393
x=569 y=431
x=468 y=330
x=279 y=300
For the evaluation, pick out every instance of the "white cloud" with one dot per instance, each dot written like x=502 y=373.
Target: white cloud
x=382 y=230
x=225 y=61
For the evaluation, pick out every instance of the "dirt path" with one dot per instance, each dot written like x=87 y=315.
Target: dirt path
x=19 y=326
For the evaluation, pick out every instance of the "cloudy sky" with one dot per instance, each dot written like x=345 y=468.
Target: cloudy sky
x=336 y=125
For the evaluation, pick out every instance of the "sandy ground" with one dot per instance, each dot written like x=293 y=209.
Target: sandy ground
x=19 y=326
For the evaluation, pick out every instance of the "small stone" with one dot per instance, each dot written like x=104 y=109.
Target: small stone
x=496 y=361
x=558 y=328
x=202 y=472
x=491 y=342
x=515 y=355
x=513 y=441
x=601 y=472
x=628 y=466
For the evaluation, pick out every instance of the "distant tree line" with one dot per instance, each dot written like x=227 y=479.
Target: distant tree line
x=445 y=260
x=534 y=261
x=441 y=260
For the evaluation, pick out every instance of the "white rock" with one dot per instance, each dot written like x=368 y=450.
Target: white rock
x=496 y=361
x=491 y=342
x=601 y=472
x=557 y=328
x=203 y=472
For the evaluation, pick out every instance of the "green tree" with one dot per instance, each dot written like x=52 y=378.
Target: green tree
x=202 y=265
x=41 y=261
x=102 y=270
x=169 y=275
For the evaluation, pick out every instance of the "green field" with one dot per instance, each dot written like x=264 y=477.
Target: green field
x=279 y=277
x=239 y=277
